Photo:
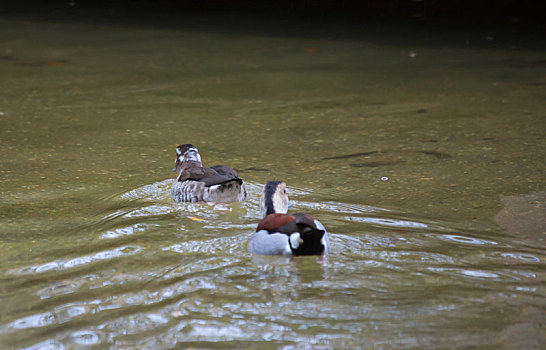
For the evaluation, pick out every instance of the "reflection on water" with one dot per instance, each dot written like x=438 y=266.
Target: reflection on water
x=402 y=157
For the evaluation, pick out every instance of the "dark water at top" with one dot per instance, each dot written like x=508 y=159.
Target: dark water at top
x=423 y=157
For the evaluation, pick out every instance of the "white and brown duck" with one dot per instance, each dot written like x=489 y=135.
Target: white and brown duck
x=279 y=233
x=196 y=183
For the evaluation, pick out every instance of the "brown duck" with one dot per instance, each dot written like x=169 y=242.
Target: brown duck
x=196 y=183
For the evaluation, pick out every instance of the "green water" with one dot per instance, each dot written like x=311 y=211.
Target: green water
x=94 y=252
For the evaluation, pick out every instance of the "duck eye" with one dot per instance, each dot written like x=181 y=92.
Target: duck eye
x=284 y=191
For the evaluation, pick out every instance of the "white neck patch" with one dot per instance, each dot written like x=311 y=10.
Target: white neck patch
x=280 y=203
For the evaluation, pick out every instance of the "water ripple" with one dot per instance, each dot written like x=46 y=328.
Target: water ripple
x=387 y=222
x=86 y=337
x=152 y=210
x=129 y=230
x=521 y=256
x=152 y=192
x=50 y=344
x=479 y=274
x=336 y=207
x=467 y=240
x=504 y=275
x=223 y=244
x=33 y=321
x=204 y=286
x=65 y=264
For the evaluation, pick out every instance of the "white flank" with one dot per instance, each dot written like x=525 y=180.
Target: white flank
x=264 y=243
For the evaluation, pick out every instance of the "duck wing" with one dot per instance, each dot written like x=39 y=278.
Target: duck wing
x=225 y=171
x=219 y=174
x=288 y=224
x=195 y=173
x=214 y=175
x=222 y=174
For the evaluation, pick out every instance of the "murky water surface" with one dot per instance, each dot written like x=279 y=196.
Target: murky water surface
x=407 y=152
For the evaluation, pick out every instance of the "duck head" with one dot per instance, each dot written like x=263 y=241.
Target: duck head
x=274 y=198
x=184 y=154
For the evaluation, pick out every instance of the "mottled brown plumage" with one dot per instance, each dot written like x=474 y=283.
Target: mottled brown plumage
x=194 y=182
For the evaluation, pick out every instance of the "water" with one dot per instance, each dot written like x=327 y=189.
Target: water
x=422 y=140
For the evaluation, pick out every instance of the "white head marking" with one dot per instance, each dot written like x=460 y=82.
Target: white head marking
x=192 y=154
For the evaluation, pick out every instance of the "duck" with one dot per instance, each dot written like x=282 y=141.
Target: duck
x=280 y=233
x=196 y=183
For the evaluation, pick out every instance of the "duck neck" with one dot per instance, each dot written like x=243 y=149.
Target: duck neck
x=191 y=155
x=273 y=204
x=274 y=199
x=191 y=164
x=185 y=165
x=268 y=200
x=269 y=206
